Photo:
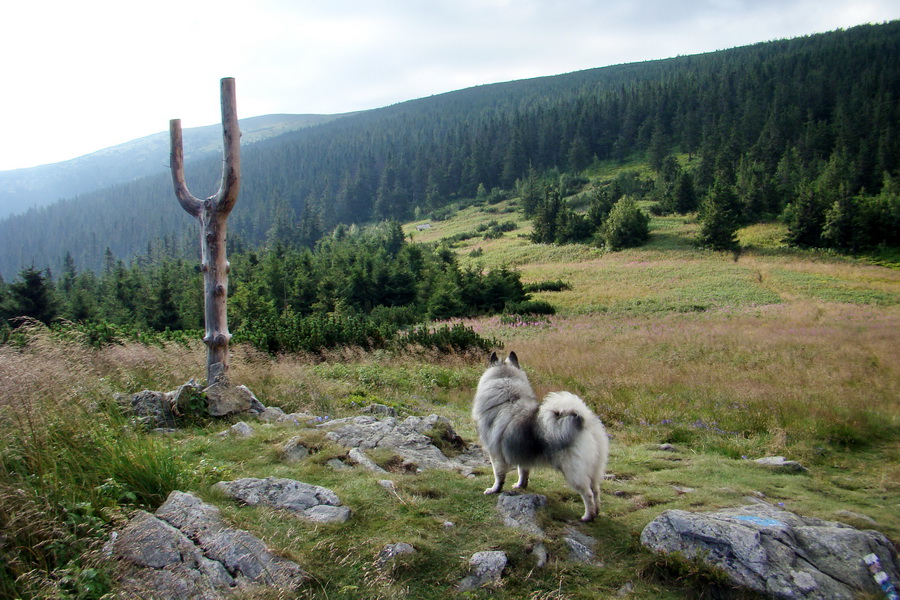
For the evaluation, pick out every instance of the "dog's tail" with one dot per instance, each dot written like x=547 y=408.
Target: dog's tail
x=561 y=418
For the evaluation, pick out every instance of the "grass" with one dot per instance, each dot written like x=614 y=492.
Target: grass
x=728 y=357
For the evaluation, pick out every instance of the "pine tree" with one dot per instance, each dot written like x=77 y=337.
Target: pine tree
x=719 y=218
x=32 y=295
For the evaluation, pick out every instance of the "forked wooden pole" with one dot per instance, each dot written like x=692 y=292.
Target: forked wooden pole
x=213 y=216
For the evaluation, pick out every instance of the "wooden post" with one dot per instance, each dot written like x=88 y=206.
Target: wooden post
x=213 y=216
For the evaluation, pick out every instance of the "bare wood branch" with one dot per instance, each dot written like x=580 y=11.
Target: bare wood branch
x=188 y=202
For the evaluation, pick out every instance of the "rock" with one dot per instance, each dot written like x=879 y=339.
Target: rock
x=338 y=465
x=484 y=568
x=181 y=398
x=520 y=511
x=240 y=552
x=776 y=552
x=298 y=419
x=294 y=450
x=239 y=429
x=625 y=590
x=270 y=415
x=380 y=409
x=667 y=448
x=153 y=409
x=781 y=463
x=855 y=516
x=540 y=554
x=581 y=546
x=187 y=551
x=388 y=485
x=392 y=551
x=307 y=501
x=407 y=439
x=681 y=490
x=223 y=399
x=360 y=458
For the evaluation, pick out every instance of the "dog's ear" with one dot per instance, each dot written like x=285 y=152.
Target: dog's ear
x=494 y=360
x=513 y=360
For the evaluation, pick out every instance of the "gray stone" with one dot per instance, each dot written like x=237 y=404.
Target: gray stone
x=855 y=516
x=304 y=500
x=270 y=415
x=780 y=462
x=153 y=409
x=182 y=397
x=223 y=399
x=581 y=546
x=407 y=439
x=380 y=409
x=776 y=552
x=667 y=448
x=338 y=465
x=187 y=551
x=294 y=450
x=520 y=511
x=484 y=568
x=360 y=458
x=392 y=551
x=540 y=554
x=239 y=429
x=298 y=419
x=242 y=554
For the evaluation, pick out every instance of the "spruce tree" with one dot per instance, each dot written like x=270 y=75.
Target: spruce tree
x=719 y=218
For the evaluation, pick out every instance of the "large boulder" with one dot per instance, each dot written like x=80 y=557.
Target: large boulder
x=311 y=502
x=223 y=399
x=151 y=409
x=186 y=550
x=776 y=552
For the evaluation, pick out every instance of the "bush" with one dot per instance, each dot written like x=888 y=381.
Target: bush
x=626 y=226
x=447 y=338
x=547 y=286
x=314 y=333
x=530 y=307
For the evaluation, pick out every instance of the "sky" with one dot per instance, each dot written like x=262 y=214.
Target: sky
x=77 y=77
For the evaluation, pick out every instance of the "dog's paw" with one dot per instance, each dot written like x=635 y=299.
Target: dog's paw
x=520 y=486
x=491 y=490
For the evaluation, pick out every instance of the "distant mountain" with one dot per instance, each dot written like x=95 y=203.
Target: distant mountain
x=21 y=189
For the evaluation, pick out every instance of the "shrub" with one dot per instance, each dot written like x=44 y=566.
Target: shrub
x=557 y=285
x=446 y=338
x=530 y=307
x=626 y=226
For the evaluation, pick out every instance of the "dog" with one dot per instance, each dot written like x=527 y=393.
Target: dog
x=518 y=431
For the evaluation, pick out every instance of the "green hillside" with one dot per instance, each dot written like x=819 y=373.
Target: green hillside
x=802 y=129
x=727 y=356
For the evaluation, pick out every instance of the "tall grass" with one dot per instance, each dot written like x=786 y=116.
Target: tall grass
x=823 y=373
x=70 y=463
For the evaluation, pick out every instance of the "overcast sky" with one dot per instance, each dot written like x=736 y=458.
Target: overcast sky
x=79 y=76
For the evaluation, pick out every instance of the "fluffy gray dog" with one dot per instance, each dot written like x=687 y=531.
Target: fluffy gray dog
x=518 y=431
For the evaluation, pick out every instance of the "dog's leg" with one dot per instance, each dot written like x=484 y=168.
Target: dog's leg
x=523 y=478
x=500 y=469
x=586 y=491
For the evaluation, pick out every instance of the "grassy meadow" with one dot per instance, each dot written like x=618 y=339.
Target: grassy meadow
x=729 y=357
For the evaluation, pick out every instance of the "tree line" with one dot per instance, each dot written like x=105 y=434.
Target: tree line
x=773 y=123
x=356 y=286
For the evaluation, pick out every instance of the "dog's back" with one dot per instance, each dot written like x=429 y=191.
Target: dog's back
x=505 y=407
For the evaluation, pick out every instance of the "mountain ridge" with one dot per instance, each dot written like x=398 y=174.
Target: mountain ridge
x=34 y=187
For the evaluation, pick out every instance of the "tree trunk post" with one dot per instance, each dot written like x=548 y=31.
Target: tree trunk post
x=213 y=216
